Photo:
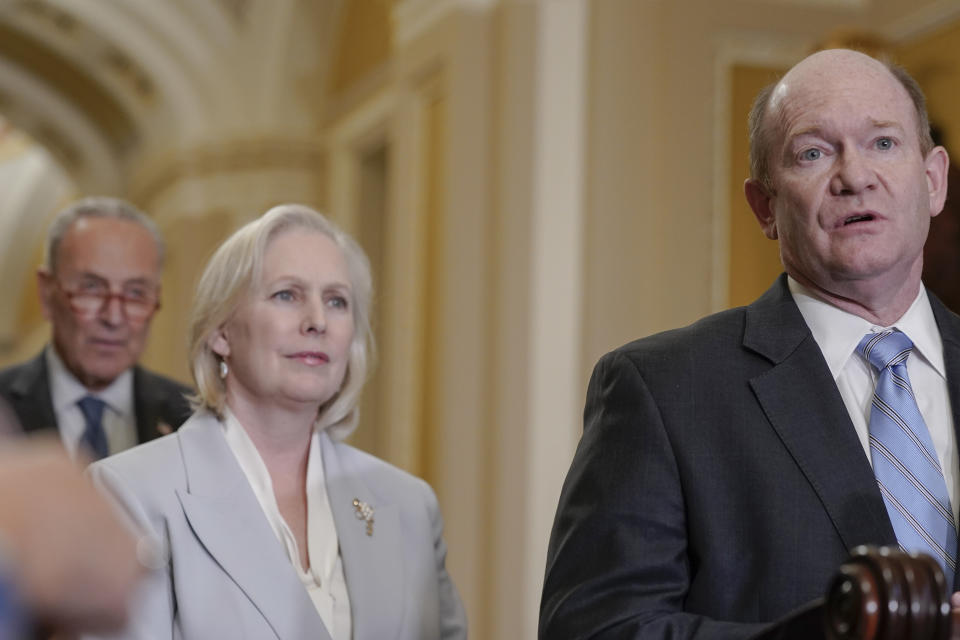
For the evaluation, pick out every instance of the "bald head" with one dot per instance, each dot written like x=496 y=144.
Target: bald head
x=848 y=181
x=828 y=71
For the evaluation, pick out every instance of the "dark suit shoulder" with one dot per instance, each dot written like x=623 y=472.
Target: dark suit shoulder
x=160 y=402
x=679 y=356
x=947 y=320
x=7 y=374
x=710 y=331
x=161 y=382
x=763 y=333
x=26 y=389
x=15 y=376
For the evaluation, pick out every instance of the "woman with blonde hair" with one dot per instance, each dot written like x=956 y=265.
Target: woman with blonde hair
x=265 y=524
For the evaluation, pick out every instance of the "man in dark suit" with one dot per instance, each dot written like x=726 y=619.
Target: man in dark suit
x=99 y=288
x=727 y=468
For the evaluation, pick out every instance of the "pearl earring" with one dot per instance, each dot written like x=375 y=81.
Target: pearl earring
x=224 y=369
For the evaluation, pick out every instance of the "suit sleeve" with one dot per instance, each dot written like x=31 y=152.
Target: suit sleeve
x=453 y=618
x=617 y=562
x=151 y=614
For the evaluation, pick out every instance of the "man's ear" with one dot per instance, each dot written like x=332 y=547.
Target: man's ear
x=45 y=289
x=937 y=165
x=218 y=343
x=760 y=202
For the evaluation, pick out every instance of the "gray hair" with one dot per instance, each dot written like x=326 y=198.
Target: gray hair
x=96 y=207
x=232 y=271
x=759 y=131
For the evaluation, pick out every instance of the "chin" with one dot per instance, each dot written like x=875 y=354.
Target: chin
x=109 y=374
x=309 y=396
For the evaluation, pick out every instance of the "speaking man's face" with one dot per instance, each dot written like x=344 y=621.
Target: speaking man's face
x=852 y=192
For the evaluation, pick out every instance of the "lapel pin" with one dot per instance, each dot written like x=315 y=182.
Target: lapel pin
x=364 y=512
x=163 y=428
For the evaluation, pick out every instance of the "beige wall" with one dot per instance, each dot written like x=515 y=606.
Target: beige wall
x=754 y=258
x=554 y=179
x=934 y=59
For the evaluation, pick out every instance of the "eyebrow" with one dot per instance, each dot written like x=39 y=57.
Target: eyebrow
x=817 y=130
x=887 y=124
x=297 y=280
x=90 y=275
x=874 y=124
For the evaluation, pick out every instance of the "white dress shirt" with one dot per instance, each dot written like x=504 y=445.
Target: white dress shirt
x=838 y=333
x=119 y=420
x=324 y=580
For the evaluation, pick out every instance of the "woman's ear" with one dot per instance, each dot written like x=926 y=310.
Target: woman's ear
x=218 y=343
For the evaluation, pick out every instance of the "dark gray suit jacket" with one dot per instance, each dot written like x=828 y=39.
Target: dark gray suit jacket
x=719 y=482
x=157 y=400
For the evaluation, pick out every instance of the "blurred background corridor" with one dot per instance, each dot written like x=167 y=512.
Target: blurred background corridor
x=536 y=182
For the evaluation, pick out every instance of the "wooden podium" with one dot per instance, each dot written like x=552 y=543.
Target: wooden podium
x=880 y=593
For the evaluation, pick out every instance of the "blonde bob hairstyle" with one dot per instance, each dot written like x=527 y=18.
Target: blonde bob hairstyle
x=235 y=269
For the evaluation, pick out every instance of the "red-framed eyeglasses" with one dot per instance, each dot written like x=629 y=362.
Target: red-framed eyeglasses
x=137 y=302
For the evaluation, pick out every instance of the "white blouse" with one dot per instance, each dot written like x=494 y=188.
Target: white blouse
x=324 y=580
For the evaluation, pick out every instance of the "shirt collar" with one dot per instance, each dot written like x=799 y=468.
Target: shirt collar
x=66 y=390
x=247 y=455
x=838 y=332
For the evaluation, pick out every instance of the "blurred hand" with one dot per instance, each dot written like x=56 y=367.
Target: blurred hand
x=74 y=562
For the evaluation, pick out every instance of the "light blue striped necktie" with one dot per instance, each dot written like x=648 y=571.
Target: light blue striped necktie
x=904 y=460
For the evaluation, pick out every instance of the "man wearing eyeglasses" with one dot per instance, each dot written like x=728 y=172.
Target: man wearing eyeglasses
x=99 y=288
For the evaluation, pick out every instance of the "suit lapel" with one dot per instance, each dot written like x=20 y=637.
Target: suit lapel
x=372 y=564
x=228 y=521
x=801 y=401
x=949 y=325
x=145 y=407
x=30 y=396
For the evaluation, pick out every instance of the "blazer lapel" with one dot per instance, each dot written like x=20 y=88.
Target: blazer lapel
x=372 y=564
x=949 y=325
x=801 y=401
x=30 y=396
x=146 y=409
x=228 y=521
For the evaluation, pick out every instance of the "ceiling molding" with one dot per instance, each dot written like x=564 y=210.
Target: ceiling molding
x=924 y=20
x=73 y=83
x=823 y=4
x=413 y=18
x=80 y=147
x=230 y=157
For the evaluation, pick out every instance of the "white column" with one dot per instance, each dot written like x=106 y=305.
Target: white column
x=556 y=276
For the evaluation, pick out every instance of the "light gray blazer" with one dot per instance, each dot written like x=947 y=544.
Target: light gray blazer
x=226 y=575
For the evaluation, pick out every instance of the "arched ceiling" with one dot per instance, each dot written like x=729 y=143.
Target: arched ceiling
x=91 y=92
x=101 y=83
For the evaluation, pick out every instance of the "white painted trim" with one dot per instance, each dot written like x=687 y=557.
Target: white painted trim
x=412 y=18
x=402 y=290
x=395 y=119
x=825 y=4
x=349 y=138
x=366 y=124
x=922 y=21
x=557 y=266
x=33 y=186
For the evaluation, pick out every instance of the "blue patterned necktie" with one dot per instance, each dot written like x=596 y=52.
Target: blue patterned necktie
x=904 y=460
x=94 y=437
